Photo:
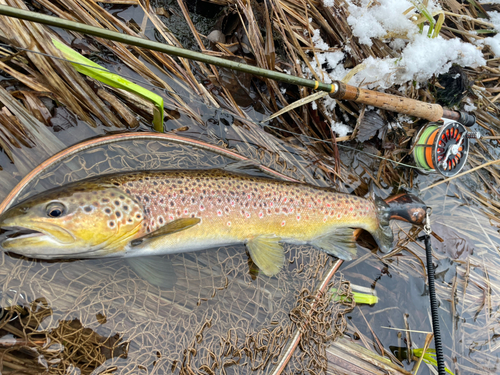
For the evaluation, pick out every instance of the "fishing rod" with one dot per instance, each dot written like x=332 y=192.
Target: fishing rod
x=220 y=109
x=440 y=147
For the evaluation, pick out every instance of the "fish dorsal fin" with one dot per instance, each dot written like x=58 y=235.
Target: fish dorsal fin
x=169 y=228
x=267 y=253
x=242 y=166
x=340 y=243
x=157 y=270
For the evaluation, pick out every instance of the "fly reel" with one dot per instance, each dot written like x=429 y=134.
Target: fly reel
x=442 y=148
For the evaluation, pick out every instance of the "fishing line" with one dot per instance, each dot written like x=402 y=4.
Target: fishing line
x=222 y=110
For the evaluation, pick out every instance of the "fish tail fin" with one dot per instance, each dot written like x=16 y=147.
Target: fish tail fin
x=383 y=233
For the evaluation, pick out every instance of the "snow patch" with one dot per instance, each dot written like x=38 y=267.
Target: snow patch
x=340 y=129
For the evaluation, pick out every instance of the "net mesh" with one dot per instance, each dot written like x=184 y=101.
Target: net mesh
x=98 y=316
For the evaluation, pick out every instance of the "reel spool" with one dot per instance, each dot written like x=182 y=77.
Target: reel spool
x=442 y=148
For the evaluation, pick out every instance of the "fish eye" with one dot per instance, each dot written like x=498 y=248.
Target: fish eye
x=55 y=210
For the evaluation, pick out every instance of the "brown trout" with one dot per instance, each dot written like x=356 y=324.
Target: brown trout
x=172 y=211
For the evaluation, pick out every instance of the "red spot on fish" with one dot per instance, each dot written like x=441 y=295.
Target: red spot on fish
x=261 y=215
x=309 y=205
x=170 y=218
x=298 y=217
x=219 y=213
x=249 y=196
x=271 y=204
x=284 y=200
x=232 y=203
x=185 y=212
x=202 y=207
x=339 y=216
x=283 y=223
x=228 y=223
x=247 y=214
x=324 y=219
x=328 y=205
x=350 y=208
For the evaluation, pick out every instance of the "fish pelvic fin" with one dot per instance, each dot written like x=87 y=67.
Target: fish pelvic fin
x=340 y=243
x=383 y=233
x=157 y=270
x=267 y=253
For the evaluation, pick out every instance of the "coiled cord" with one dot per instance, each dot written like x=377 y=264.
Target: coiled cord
x=434 y=306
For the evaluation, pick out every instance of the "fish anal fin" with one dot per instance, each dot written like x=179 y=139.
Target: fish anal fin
x=267 y=253
x=169 y=228
x=157 y=270
x=339 y=242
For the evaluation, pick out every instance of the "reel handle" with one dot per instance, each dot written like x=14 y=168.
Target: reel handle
x=412 y=107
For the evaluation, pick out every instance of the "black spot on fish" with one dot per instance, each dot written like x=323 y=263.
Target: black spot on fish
x=125 y=208
x=116 y=184
x=146 y=199
x=172 y=204
x=160 y=220
x=138 y=216
x=118 y=214
x=117 y=203
x=107 y=210
x=87 y=208
x=111 y=224
x=122 y=197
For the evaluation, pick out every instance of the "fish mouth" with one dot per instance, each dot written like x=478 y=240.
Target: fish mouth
x=13 y=235
x=20 y=233
x=33 y=234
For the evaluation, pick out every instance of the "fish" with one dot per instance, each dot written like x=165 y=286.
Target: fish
x=149 y=213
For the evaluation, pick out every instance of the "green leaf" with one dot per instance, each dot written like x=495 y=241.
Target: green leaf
x=359 y=298
x=429 y=357
x=105 y=76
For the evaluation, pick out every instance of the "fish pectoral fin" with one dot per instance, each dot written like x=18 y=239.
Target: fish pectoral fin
x=340 y=243
x=157 y=270
x=267 y=253
x=169 y=228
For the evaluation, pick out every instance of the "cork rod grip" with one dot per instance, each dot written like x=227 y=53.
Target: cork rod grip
x=411 y=107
